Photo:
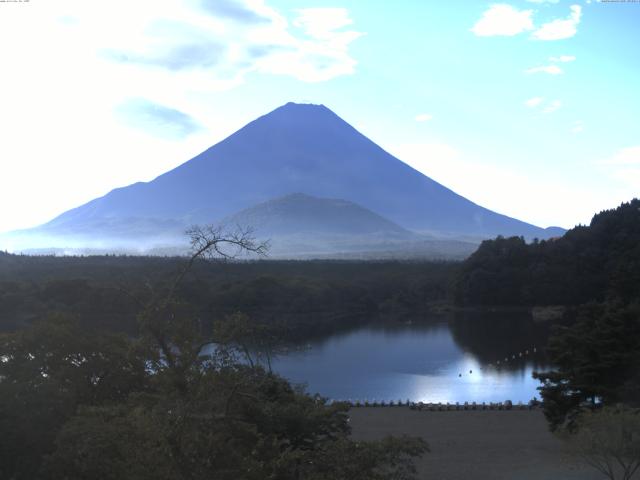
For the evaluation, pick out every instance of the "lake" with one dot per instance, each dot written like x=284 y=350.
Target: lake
x=439 y=360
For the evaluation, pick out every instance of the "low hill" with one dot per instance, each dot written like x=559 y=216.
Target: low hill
x=302 y=226
x=299 y=213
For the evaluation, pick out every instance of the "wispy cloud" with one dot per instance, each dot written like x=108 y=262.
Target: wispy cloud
x=534 y=102
x=323 y=22
x=562 y=59
x=314 y=47
x=173 y=57
x=625 y=156
x=550 y=69
x=233 y=10
x=157 y=119
x=503 y=20
x=323 y=52
x=552 y=106
x=540 y=104
x=624 y=166
x=577 y=127
x=424 y=117
x=560 y=29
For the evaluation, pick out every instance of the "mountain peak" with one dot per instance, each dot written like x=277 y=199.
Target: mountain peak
x=301 y=114
x=293 y=106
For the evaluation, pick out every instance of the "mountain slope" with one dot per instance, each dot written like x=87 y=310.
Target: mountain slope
x=295 y=148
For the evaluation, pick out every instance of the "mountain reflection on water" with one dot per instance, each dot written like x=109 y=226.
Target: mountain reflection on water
x=441 y=359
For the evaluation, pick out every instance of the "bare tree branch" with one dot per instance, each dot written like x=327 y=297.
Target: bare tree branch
x=211 y=241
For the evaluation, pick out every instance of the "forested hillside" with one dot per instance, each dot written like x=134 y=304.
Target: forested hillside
x=589 y=263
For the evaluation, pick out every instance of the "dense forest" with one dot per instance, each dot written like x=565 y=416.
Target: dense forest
x=589 y=263
x=593 y=269
x=105 y=292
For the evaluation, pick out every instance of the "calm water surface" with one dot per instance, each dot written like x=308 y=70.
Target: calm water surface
x=433 y=362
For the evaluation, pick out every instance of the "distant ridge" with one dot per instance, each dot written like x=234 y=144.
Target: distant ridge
x=295 y=148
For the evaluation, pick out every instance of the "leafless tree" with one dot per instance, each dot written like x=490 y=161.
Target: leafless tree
x=215 y=241
x=175 y=334
x=609 y=441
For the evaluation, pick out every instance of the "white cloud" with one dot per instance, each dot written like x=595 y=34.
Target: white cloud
x=624 y=167
x=563 y=58
x=503 y=20
x=534 y=102
x=624 y=156
x=322 y=22
x=552 y=106
x=550 y=69
x=540 y=104
x=629 y=177
x=314 y=48
x=424 y=117
x=577 y=127
x=322 y=55
x=560 y=29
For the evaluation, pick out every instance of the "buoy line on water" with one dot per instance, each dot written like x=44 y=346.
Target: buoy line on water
x=520 y=355
x=446 y=407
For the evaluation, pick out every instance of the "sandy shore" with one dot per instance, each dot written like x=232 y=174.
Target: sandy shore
x=476 y=445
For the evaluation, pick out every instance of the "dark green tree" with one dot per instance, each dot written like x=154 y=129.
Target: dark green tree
x=46 y=373
x=596 y=362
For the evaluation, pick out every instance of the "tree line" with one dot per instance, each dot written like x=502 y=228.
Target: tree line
x=308 y=297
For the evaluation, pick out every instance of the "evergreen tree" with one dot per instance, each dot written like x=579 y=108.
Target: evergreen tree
x=596 y=361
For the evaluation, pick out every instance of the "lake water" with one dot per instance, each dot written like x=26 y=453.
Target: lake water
x=435 y=361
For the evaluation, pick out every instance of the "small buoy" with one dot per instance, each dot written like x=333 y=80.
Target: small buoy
x=459 y=375
x=470 y=371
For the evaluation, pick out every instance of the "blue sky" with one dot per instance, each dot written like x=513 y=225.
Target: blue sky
x=529 y=108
